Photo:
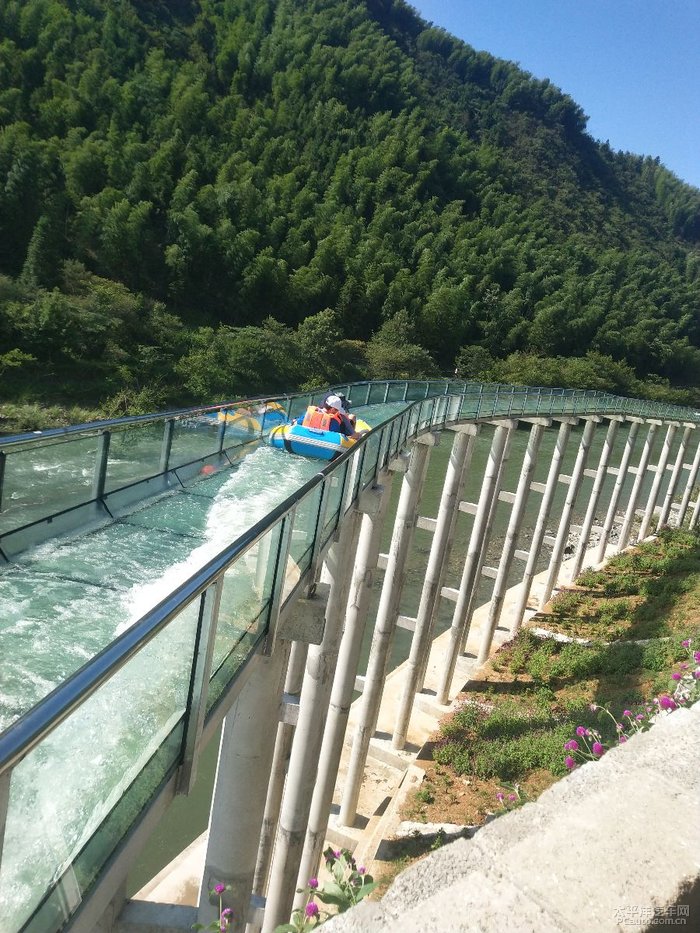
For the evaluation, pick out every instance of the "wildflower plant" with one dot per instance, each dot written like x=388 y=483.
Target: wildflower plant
x=590 y=745
x=685 y=679
x=349 y=884
x=510 y=798
x=225 y=918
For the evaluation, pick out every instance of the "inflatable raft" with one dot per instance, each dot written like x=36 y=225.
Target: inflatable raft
x=309 y=442
x=249 y=421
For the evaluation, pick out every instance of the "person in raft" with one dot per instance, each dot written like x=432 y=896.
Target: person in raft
x=330 y=416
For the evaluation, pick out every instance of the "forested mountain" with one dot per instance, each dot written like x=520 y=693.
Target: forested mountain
x=205 y=199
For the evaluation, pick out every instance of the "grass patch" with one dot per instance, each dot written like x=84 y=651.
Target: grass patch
x=511 y=726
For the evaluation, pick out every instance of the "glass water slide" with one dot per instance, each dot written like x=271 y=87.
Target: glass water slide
x=127 y=549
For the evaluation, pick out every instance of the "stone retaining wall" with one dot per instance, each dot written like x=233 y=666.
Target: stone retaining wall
x=613 y=846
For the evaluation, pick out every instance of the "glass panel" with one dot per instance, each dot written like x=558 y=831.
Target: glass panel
x=416 y=391
x=414 y=419
x=469 y=406
x=79 y=813
x=244 y=611
x=376 y=393
x=134 y=454
x=305 y=522
x=388 y=432
x=299 y=405
x=40 y=481
x=194 y=438
x=369 y=467
x=335 y=486
x=396 y=392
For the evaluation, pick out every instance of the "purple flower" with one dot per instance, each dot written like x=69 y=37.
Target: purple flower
x=639 y=717
x=337 y=853
x=666 y=702
x=597 y=749
x=622 y=738
x=580 y=730
x=362 y=869
x=626 y=712
x=685 y=643
x=675 y=676
x=618 y=727
x=313 y=882
x=500 y=797
x=311 y=909
x=684 y=667
x=569 y=762
x=571 y=745
x=696 y=674
x=512 y=797
x=593 y=707
x=226 y=913
x=219 y=888
x=696 y=655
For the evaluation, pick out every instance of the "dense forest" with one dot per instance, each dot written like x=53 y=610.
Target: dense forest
x=202 y=200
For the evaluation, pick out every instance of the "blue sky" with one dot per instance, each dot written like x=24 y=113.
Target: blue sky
x=632 y=65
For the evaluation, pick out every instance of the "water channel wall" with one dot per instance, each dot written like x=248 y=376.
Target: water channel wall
x=285 y=724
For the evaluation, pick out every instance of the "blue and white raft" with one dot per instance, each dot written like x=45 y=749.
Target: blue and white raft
x=310 y=442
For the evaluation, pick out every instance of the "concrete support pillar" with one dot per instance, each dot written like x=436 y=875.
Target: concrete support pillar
x=315 y=694
x=387 y=615
x=600 y=476
x=477 y=543
x=275 y=787
x=566 y=514
x=675 y=476
x=516 y=519
x=656 y=483
x=245 y=756
x=449 y=510
x=689 y=486
x=617 y=489
x=550 y=488
x=373 y=504
x=692 y=524
x=460 y=458
x=636 y=488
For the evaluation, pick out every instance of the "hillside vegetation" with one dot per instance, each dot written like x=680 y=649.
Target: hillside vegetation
x=205 y=199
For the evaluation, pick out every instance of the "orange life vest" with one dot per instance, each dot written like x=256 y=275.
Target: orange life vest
x=321 y=420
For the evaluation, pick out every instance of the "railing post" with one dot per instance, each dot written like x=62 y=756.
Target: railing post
x=460 y=458
x=210 y=601
x=102 y=456
x=516 y=517
x=3 y=458
x=385 y=625
x=4 y=804
x=565 y=520
x=166 y=445
x=601 y=473
x=658 y=478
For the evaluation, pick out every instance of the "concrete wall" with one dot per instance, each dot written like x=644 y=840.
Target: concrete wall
x=597 y=851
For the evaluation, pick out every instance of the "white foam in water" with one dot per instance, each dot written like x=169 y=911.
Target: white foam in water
x=260 y=483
